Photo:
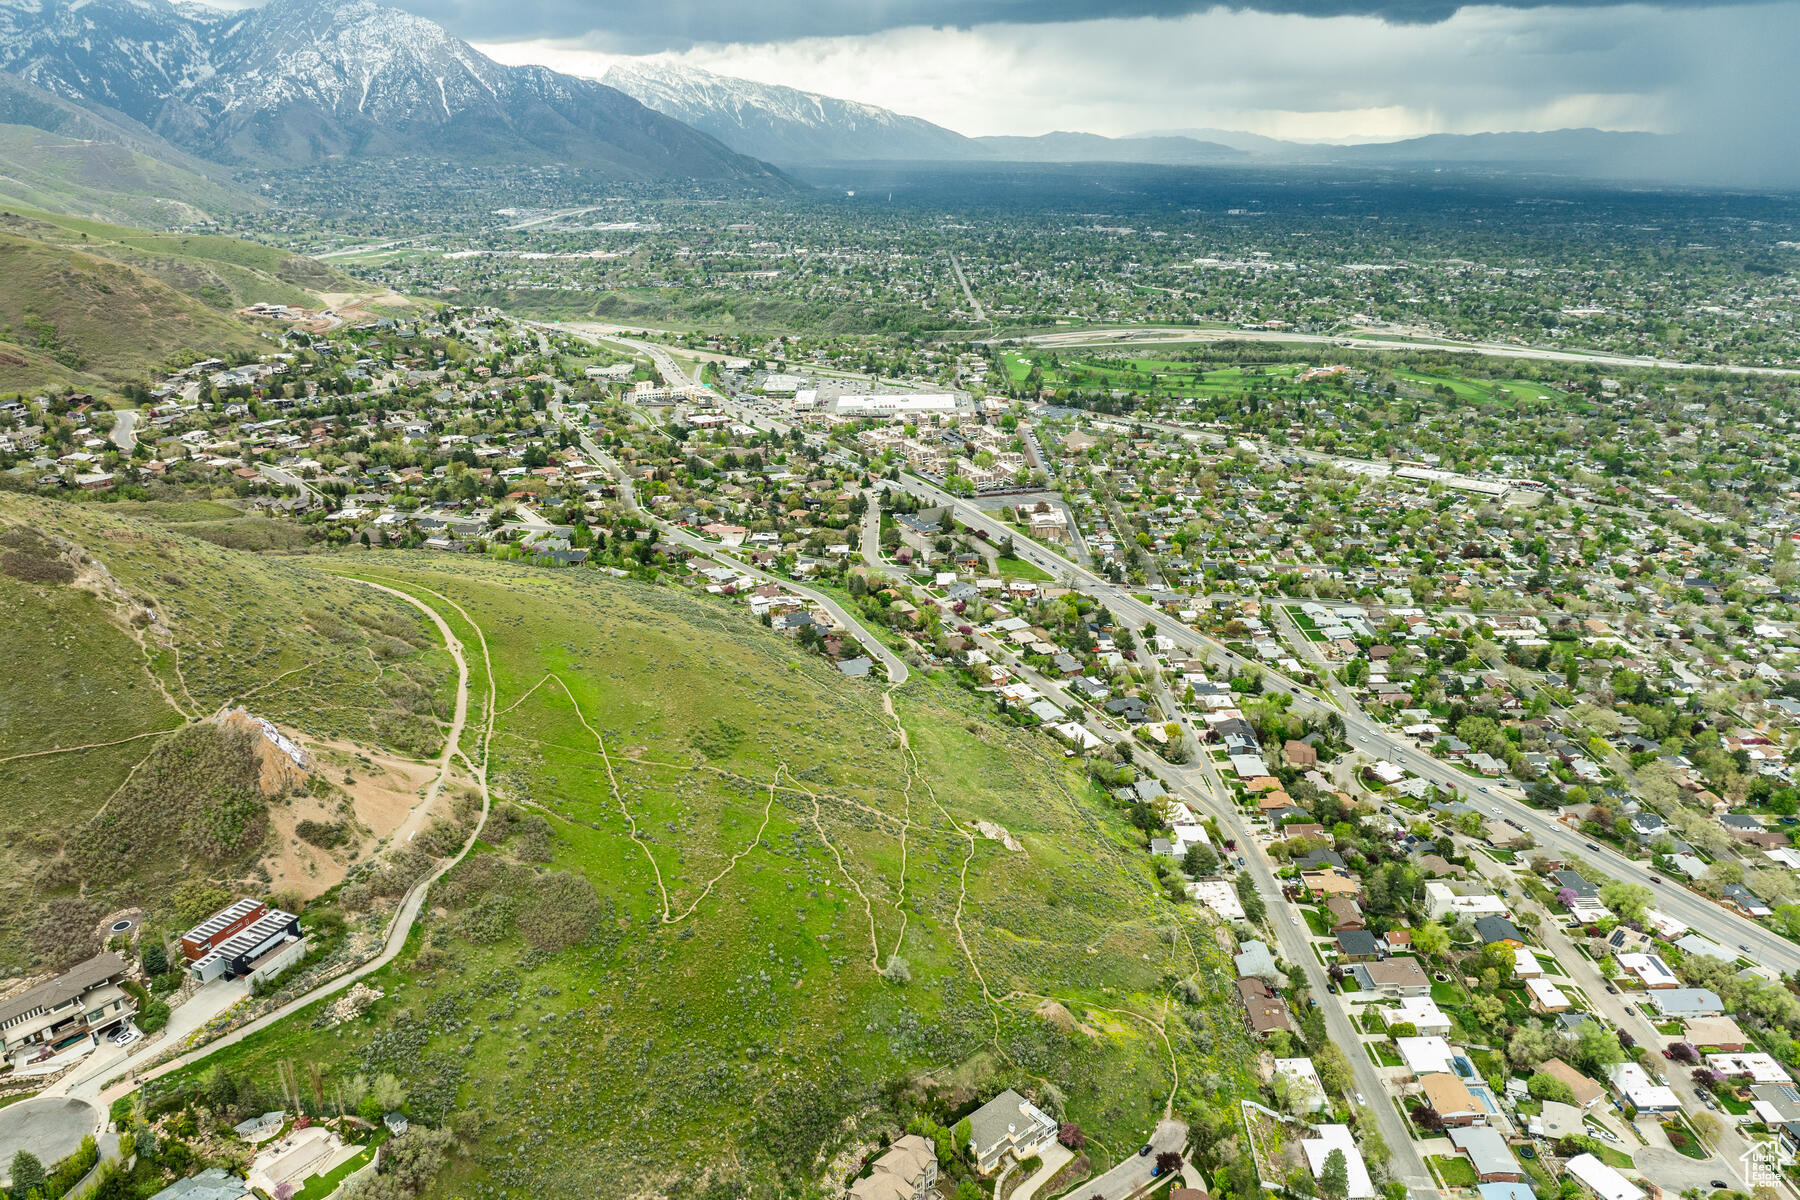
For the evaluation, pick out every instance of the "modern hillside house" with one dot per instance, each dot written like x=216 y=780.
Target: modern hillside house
x=248 y=938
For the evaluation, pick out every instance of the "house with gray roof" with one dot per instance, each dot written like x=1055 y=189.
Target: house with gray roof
x=1009 y=1124
x=215 y=1183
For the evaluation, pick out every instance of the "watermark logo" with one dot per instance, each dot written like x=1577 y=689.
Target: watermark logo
x=1761 y=1164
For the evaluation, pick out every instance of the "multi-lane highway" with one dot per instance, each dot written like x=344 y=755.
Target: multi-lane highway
x=1162 y=335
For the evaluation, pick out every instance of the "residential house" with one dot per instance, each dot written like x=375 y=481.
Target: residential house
x=1778 y=1106
x=1256 y=959
x=1442 y=900
x=1426 y=1055
x=1356 y=946
x=1338 y=1137
x=214 y=1183
x=1488 y=1152
x=1546 y=997
x=907 y=1171
x=1649 y=969
x=1715 y=1033
x=1498 y=930
x=1745 y=901
x=1423 y=1014
x=1451 y=1097
x=1008 y=1124
x=1587 y=1092
x=1600 y=1179
x=1305 y=1089
x=1683 y=1003
x=1346 y=914
x=1393 y=977
x=1635 y=1087
x=83 y=1002
x=1266 y=1011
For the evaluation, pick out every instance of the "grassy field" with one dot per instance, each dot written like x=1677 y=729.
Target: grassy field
x=85 y=302
x=96 y=681
x=662 y=967
x=54 y=173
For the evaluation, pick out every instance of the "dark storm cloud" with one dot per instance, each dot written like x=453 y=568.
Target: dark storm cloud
x=644 y=26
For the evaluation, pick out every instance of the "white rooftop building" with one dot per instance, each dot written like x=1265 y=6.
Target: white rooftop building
x=1337 y=1137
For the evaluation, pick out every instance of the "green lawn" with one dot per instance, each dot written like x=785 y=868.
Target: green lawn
x=318 y=1187
x=1454 y=1170
x=1018 y=568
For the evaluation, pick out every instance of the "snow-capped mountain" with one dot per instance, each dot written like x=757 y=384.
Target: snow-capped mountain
x=786 y=125
x=783 y=124
x=302 y=80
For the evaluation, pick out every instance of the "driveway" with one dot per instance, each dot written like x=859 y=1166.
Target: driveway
x=1055 y=1158
x=49 y=1127
x=1135 y=1172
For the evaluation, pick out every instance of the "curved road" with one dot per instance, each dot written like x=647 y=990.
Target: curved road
x=897 y=672
x=401 y=925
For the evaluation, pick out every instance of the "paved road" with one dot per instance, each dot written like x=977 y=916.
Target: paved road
x=897 y=672
x=401 y=924
x=1135 y=1172
x=124 y=430
x=1151 y=336
x=1624 y=1013
x=51 y=1127
x=1718 y=922
x=968 y=294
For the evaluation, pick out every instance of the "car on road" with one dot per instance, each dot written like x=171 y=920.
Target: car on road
x=1744 y=946
x=1495 y=808
x=1720 y=1183
x=1656 y=879
x=1294 y=920
x=1590 y=845
x=1144 y=1150
x=1359 y=1098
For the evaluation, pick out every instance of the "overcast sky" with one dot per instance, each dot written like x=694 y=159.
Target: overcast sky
x=1321 y=69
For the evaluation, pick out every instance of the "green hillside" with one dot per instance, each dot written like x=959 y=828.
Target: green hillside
x=101 y=809
x=65 y=157
x=225 y=272
x=96 y=179
x=85 y=303
x=723 y=921
x=70 y=316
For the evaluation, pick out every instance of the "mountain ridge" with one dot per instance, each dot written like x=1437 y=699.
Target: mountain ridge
x=294 y=83
x=784 y=124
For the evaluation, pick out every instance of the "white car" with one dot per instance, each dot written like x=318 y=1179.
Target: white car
x=125 y=1036
x=1295 y=920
